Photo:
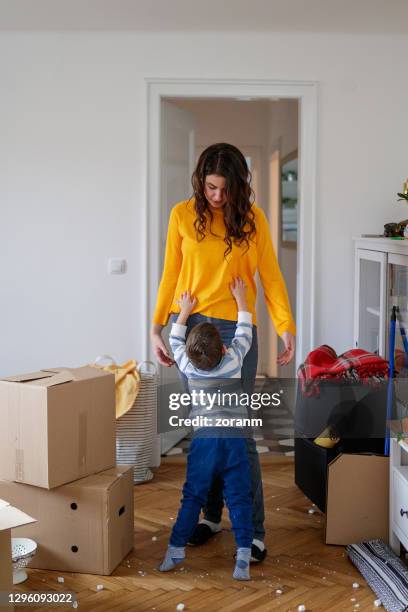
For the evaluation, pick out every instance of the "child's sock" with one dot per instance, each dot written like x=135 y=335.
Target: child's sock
x=174 y=556
x=241 y=570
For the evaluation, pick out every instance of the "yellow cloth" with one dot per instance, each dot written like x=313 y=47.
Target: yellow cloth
x=127 y=385
x=327 y=438
x=202 y=268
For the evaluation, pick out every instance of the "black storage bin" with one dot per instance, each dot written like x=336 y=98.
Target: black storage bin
x=311 y=463
x=355 y=411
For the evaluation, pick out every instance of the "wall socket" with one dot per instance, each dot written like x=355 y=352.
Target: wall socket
x=117 y=265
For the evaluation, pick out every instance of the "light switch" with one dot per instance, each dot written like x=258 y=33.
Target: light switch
x=117 y=265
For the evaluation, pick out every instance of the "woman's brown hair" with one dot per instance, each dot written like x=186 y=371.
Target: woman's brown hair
x=227 y=161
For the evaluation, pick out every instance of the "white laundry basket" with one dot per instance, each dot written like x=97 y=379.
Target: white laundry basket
x=136 y=430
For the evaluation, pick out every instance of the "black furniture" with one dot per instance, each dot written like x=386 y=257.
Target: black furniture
x=357 y=415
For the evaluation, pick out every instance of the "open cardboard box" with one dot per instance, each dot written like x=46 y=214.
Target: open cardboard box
x=85 y=526
x=57 y=425
x=9 y=517
x=357 y=499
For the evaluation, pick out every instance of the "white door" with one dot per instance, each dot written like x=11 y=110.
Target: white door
x=176 y=168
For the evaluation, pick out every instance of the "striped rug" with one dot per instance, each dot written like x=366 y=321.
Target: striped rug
x=384 y=571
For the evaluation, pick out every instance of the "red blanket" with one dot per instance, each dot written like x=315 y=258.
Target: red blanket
x=323 y=363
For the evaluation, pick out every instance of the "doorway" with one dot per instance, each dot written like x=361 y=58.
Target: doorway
x=262 y=130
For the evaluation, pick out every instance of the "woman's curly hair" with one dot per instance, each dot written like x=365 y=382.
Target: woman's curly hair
x=227 y=161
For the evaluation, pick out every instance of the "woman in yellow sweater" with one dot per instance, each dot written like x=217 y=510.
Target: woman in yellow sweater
x=214 y=237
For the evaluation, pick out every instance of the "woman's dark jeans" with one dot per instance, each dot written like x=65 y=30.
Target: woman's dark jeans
x=215 y=500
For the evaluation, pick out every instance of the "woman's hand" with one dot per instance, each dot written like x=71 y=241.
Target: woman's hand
x=290 y=345
x=160 y=350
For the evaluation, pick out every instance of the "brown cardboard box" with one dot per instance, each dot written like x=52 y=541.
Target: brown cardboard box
x=9 y=517
x=57 y=425
x=85 y=526
x=357 y=499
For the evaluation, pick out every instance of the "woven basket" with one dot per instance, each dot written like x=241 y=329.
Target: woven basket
x=136 y=430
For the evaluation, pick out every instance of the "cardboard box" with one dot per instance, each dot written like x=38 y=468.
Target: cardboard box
x=9 y=517
x=357 y=499
x=84 y=526
x=57 y=425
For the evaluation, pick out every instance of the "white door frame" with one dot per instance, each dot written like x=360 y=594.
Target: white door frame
x=307 y=93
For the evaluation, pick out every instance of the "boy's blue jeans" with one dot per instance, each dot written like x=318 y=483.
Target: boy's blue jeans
x=216 y=457
x=215 y=500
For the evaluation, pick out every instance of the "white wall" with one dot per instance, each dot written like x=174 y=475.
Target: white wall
x=73 y=173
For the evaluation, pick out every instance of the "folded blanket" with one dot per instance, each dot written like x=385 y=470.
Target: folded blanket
x=386 y=574
x=355 y=365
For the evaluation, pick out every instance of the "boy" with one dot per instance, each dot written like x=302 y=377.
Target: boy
x=214 y=451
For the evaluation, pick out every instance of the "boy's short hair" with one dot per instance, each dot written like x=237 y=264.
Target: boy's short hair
x=204 y=346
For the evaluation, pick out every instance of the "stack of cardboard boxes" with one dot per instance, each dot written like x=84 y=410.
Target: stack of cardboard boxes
x=57 y=464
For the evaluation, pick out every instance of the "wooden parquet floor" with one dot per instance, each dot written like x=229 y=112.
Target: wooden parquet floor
x=299 y=564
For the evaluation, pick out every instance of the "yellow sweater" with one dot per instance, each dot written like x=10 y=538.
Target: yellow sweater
x=201 y=267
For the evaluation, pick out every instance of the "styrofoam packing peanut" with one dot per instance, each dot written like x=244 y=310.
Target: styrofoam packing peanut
x=61 y=579
x=356 y=585
x=75 y=604
x=301 y=608
x=99 y=587
x=278 y=591
x=311 y=511
x=154 y=538
x=180 y=607
x=353 y=599
x=378 y=603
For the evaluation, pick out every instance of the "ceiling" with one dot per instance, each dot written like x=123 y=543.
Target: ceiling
x=352 y=16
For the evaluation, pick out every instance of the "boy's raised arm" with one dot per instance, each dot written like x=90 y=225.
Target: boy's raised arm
x=242 y=340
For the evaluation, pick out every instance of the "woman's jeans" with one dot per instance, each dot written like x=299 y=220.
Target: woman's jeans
x=215 y=500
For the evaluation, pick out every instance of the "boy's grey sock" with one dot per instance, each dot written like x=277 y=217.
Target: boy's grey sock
x=174 y=556
x=241 y=570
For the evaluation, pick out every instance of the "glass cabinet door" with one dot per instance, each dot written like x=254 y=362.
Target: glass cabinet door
x=369 y=318
x=398 y=296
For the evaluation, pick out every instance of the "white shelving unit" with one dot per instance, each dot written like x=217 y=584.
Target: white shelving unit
x=398 y=495
x=381 y=282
